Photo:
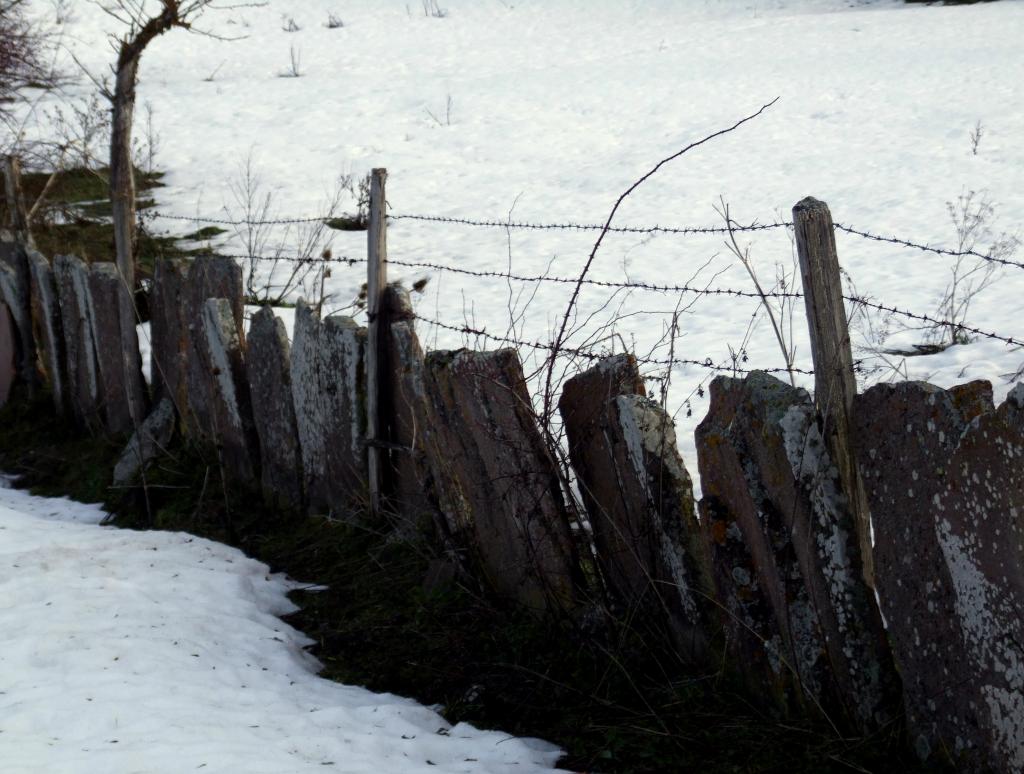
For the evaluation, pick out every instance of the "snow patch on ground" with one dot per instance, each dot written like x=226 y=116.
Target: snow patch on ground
x=125 y=651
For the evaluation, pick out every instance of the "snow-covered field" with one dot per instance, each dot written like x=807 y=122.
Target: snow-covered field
x=150 y=652
x=556 y=107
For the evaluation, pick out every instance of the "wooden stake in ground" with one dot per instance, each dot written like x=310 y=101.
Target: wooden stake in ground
x=377 y=281
x=834 y=382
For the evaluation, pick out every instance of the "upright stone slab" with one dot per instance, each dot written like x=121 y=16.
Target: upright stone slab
x=123 y=393
x=495 y=480
x=784 y=548
x=208 y=277
x=169 y=332
x=49 y=329
x=230 y=408
x=268 y=364
x=16 y=292
x=639 y=500
x=405 y=420
x=71 y=277
x=8 y=353
x=146 y=444
x=328 y=385
x=946 y=487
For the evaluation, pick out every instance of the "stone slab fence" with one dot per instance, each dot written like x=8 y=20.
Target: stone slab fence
x=857 y=557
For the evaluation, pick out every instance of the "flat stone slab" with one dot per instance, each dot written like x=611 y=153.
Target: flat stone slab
x=945 y=480
x=71 y=276
x=208 y=277
x=230 y=409
x=494 y=479
x=404 y=421
x=639 y=500
x=169 y=332
x=8 y=353
x=49 y=328
x=122 y=391
x=15 y=291
x=146 y=444
x=802 y=623
x=329 y=390
x=268 y=364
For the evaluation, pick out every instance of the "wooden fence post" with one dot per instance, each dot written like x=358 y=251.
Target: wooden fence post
x=377 y=282
x=834 y=382
x=17 y=220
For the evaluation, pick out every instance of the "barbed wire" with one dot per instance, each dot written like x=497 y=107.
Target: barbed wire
x=549 y=347
x=521 y=226
x=696 y=290
x=230 y=222
x=960 y=326
x=716 y=291
x=572 y=226
x=526 y=226
x=928 y=248
x=295 y=258
x=598 y=283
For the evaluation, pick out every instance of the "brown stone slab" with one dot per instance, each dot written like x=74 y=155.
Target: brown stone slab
x=785 y=556
x=945 y=479
x=495 y=480
x=639 y=500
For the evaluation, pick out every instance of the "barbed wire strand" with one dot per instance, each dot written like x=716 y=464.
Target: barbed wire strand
x=571 y=226
x=549 y=347
x=708 y=291
x=927 y=248
x=716 y=291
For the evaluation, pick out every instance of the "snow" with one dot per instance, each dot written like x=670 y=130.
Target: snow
x=557 y=107
x=124 y=651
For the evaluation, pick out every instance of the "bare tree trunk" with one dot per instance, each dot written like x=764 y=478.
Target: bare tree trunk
x=122 y=194
x=122 y=174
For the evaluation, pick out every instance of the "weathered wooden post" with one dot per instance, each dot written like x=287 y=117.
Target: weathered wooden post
x=834 y=382
x=376 y=283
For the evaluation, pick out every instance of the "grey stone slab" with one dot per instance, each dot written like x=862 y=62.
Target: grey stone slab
x=146 y=445
x=122 y=390
x=328 y=385
x=49 y=328
x=268 y=363
x=230 y=409
x=208 y=277
x=84 y=390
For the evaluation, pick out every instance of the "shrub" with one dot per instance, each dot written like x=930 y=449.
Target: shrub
x=21 y=61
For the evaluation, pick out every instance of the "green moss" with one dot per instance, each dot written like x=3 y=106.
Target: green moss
x=207 y=232
x=77 y=215
x=356 y=222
